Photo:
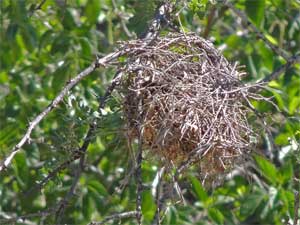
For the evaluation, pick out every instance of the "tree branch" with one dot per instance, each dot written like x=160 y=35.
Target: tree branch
x=151 y=34
x=117 y=216
x=158 y=198
x=290 y=62
x=21 y=219
x=139 y=181
x=64 y=202
x=26 y=138
x=159 y=19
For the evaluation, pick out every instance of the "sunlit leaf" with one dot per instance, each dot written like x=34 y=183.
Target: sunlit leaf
x=92 y=10
x=148 y=205
x=199 y=190
x=216 y=215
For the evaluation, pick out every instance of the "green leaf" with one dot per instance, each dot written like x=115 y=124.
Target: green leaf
x=87 y=206
x=86 y=47
x=148 y=205
x=199 y=190
x=172 y=215
x=255 y=9
x=198 y=7
x=286 y=172
x=46 y=39
x=29 y=36
x=11 y=32
x=271 y=39
x=267 y=168
x=216 y=216
x=144 y=11
x=294 y=105
x=21 y=169
x=92 y=10
x=60 y=44
x=282 y=139
x=60 y=77
x=68 y=20
x=287 y=198
x=96 y=185
x=250 y=203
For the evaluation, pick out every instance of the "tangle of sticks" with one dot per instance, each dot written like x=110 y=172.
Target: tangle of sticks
x=192 y=106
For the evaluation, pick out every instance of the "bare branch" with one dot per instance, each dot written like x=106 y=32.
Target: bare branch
x=152 y=32
x=210 y=21
x=26 y=138
x=64 y=202
x=158 y=198
x=21 y=219
x=52 y=174
x=139 y=181
x=117 y=216
x=150 y=36
x=160 y=19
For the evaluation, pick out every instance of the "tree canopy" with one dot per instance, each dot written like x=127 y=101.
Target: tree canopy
x=65 y=153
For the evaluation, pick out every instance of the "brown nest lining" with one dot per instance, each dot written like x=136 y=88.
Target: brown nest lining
x=182 y=95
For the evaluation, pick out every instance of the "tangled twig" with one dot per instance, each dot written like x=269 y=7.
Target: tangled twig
x=192 y=102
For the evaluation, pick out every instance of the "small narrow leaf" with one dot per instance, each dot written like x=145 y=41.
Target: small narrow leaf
x=199 y=190
x=216 y=216
x=267 y=168
x=98 y=187
x=148 y=205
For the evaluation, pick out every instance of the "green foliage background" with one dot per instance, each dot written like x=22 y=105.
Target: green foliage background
x=42 y=48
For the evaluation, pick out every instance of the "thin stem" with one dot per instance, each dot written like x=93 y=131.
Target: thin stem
x=117 y=216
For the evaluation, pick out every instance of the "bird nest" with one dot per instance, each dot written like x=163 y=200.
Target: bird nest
x=186 y=102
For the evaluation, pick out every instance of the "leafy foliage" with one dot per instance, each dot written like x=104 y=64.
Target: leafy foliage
x=46 y=43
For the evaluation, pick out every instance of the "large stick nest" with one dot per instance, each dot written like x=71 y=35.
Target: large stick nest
x=182 y=96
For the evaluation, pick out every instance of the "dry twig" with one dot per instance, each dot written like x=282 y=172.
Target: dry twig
x=192 y=102
x=117 y=216
x=26 y=138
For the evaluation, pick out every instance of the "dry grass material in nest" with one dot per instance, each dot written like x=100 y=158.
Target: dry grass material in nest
x=184 y=97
